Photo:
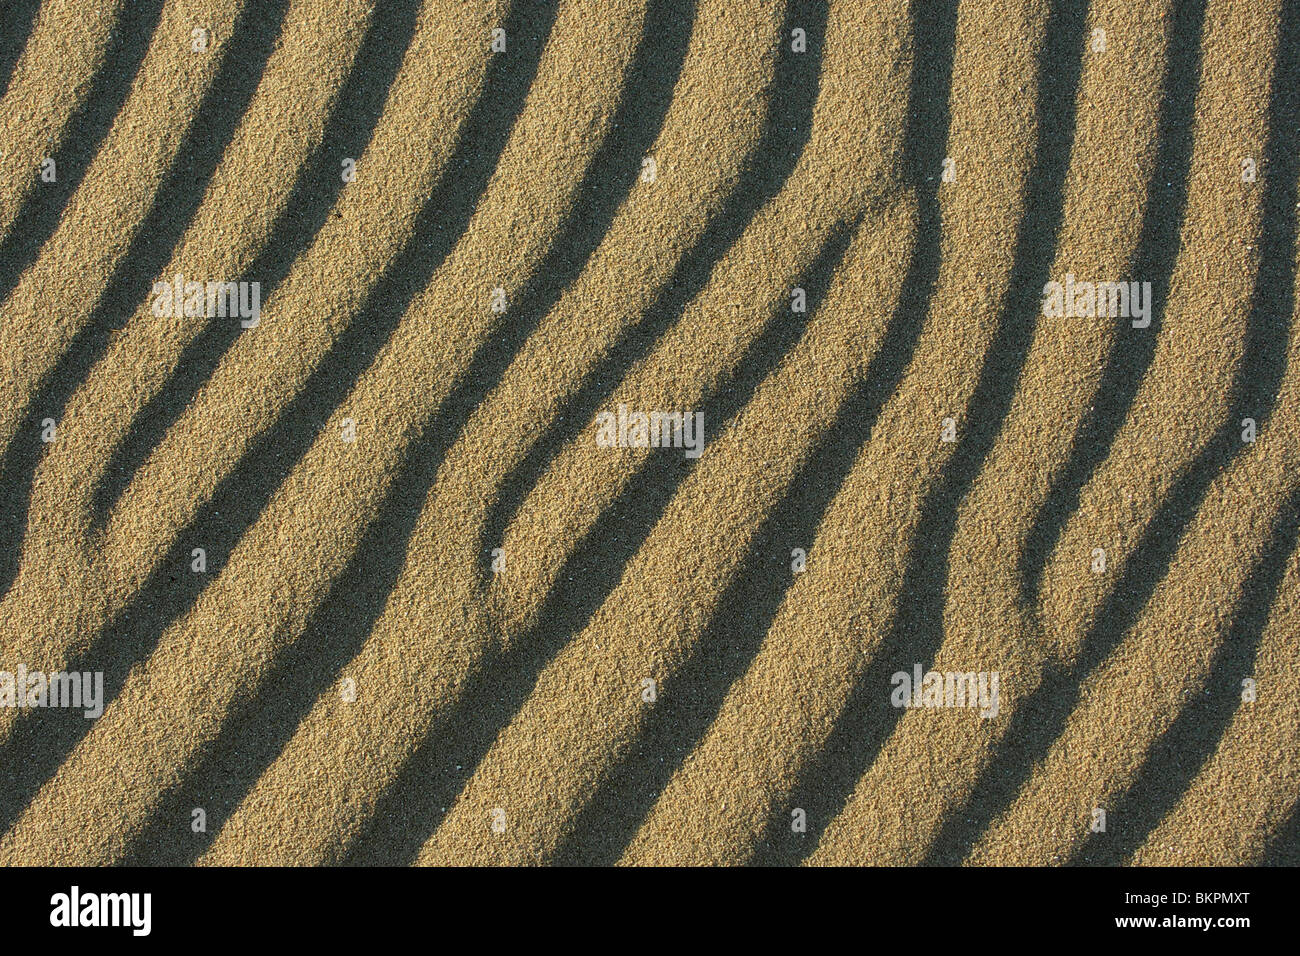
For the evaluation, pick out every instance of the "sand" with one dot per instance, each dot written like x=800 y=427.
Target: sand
x=365 y=584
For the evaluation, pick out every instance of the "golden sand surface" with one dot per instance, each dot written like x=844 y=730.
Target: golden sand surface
x=364 y=579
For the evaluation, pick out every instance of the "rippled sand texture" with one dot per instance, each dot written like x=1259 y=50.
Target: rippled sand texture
x=435 y=620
